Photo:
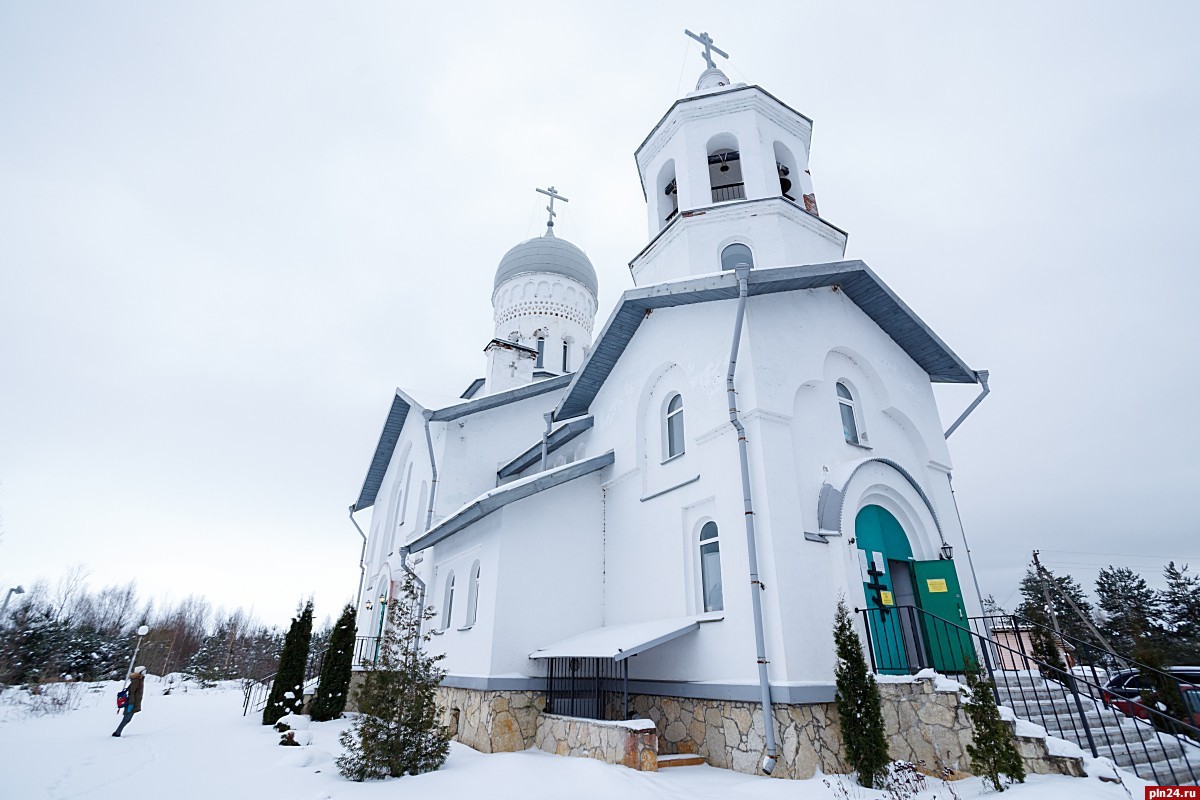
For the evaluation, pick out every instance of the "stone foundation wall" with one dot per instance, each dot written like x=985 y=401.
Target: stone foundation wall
x=628 y=743
x=729 y=734
x=491 y=721
x=923 y=724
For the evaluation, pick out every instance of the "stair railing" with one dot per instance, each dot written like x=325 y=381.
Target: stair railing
x=907 y=639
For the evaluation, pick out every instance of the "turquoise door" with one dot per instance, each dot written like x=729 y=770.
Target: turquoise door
x=938 y=593
x=881 y=539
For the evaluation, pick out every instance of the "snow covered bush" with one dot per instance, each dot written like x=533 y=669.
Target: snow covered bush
x=398 y=732
x=993 y=752
x=858 y=706
x=336 y=668
x=287 y=691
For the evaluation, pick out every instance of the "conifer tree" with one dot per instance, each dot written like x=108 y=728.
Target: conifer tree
x=1181 y=613
x=1130 y=606
x=993 y=752
x=287 y=691
x=330 y=700
x=858 y=705
x=398 y=732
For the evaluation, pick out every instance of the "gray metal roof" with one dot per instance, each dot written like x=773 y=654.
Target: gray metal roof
x=497 y=499
x=392 y=426
x=555 y=440
x=499 y=399
x=548 y=254
x=854 y=278
x=398 y=413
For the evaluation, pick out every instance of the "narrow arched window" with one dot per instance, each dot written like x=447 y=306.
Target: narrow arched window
x=473 y=596
x=849 y=417
x=566 y=349
x=674 y=427
x=710 y=567
x=736 y=254
x=448 y=606
x=541 y=352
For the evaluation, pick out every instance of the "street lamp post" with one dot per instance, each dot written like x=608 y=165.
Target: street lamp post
x=141 y=632
x=7 y=597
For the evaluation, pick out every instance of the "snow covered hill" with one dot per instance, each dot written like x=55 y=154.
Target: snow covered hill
x=195 y=745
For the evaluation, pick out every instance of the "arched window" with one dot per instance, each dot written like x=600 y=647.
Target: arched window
x=789 y=174
x=673 y=428
x=566 y=349
x=473 y=596
x=541 y=352
x=735 y=254
x=407 y=495
x=849 y=416
x=448 y=606
x=710 y=567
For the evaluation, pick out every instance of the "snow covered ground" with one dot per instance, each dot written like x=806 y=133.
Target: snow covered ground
x=196 y=745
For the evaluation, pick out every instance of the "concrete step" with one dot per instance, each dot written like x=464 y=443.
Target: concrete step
x=680 y=760
x=1173 y=772
x=1145 y=752
x=1116 y=735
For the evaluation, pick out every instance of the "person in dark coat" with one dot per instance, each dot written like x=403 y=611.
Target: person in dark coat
x=137 y=686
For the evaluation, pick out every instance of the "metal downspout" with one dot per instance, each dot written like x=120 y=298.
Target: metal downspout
x=362 y=558
x=982 y=377
x=433 y=470
x=549 y=417
x=420 y=590
x=768 y=764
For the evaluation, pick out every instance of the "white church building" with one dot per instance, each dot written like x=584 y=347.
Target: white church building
x=597 y=539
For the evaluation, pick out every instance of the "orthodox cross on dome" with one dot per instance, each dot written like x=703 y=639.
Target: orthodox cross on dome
x=553 y=194
x=709 y=48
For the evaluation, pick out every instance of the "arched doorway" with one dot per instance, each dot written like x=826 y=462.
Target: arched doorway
x=915 y=608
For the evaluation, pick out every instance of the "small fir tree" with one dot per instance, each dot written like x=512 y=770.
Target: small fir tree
x=858 y=705
x=398 y=732
x=287 y=691
x=993 y=752
x=330 y=700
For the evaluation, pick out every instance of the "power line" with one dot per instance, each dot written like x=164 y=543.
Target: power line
x=1124 y=555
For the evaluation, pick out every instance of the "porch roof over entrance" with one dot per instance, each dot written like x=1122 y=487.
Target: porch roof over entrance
x=619 y=642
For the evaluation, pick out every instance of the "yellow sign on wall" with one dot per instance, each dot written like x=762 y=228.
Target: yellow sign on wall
x=886 y=598
x=937 y=585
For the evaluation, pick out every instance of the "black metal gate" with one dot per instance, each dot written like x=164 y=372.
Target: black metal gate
x=593 y=688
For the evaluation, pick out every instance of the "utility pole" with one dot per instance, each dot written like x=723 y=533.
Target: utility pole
x=1087 y=622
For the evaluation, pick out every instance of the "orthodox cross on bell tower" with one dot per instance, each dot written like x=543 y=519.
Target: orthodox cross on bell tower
x=709 y=48
x=553 y=194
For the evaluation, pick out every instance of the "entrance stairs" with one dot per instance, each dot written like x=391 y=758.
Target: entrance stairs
x=1132 y=744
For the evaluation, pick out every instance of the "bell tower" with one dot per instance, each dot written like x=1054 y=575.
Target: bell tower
x=728 y=164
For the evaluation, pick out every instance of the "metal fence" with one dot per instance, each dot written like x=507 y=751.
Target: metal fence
x=593 y=688
x=1069 y=703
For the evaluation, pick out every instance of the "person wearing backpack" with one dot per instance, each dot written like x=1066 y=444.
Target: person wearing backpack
x=133 y=703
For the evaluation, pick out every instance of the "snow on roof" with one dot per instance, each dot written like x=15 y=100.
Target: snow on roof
x=619 y=642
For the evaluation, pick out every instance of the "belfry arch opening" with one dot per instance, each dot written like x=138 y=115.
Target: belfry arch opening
x=788 y=171
x=725 y=169
x=666 y=196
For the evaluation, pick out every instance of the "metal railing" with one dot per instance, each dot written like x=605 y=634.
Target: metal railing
x=366 y=651
x=1070 y=704
x=256 y=691
x=593 y=688
x=729 y=191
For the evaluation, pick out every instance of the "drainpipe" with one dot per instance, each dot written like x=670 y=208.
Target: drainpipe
x=549 y=417
x=433 y=469
x=420 y=592
x=768 y=764
x=362 y=558
x=982 y=377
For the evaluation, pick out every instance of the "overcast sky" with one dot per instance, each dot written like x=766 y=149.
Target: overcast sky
x=229 y=230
